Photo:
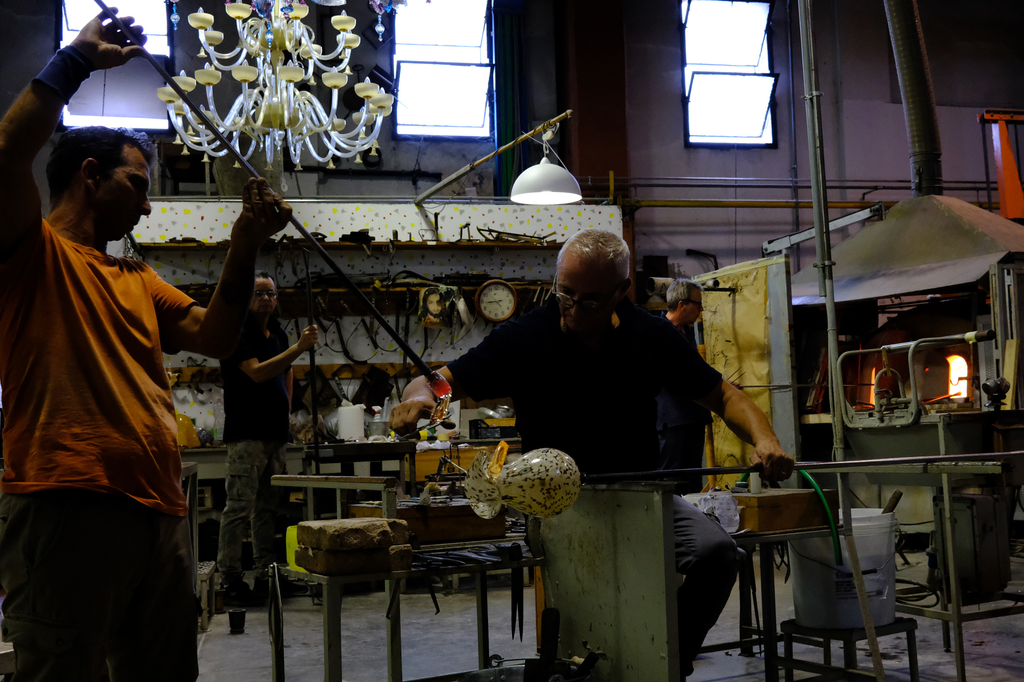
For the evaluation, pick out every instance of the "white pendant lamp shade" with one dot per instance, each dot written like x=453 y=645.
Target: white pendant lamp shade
x=546 y=183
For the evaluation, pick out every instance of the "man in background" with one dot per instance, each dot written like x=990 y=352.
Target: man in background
x=257 y=404
x=681 y=421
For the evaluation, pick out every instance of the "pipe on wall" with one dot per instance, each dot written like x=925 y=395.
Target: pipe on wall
x=918 y=96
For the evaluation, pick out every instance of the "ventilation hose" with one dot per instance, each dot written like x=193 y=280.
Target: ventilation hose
x=828 y=513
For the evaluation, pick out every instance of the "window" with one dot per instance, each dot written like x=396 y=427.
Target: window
x=442 y=68
x=727 y=80
x=125 y=96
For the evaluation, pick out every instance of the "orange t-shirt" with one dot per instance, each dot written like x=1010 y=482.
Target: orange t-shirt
x=85 y=395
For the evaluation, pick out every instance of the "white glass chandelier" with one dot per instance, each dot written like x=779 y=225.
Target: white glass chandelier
x=271 y=111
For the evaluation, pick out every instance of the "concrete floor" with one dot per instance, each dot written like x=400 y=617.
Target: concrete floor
x=446 y=642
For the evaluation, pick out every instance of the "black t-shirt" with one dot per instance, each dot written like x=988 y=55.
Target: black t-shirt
x=597 y=406
x=255 y=411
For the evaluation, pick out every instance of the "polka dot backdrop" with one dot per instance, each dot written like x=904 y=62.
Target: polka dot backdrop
x=210 y=222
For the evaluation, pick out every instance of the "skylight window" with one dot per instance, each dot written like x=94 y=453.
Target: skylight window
x=443 y=69
x=116 y=97
x=727 y=79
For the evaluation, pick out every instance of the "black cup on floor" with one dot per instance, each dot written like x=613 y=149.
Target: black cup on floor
x=236 y=618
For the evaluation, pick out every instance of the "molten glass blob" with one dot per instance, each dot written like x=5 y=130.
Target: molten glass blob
x=542 y=482
x=443 y=392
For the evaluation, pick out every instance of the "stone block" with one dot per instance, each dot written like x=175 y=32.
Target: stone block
x=353 y=534
x=355 y=562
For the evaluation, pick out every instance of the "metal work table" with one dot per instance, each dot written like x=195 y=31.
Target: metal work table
x=352 y=453
x=973 y=468
x=333 y=585
x=769 y=633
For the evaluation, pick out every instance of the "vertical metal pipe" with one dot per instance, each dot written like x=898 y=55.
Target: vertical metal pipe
x=794 y=169
x=918 y=96
x=822 y=241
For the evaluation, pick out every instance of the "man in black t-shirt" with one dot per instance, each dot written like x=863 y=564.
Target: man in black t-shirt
x=257 y=404
x=583 y=373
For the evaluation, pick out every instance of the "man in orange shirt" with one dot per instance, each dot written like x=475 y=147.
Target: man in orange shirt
x=95 y=553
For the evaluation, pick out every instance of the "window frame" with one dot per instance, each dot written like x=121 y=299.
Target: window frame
x=685 y=100
x=58 y=33
x=488 y=33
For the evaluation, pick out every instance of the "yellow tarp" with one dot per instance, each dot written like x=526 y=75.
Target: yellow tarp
x=737 y=345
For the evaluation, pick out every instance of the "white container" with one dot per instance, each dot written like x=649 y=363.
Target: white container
x=824 y=595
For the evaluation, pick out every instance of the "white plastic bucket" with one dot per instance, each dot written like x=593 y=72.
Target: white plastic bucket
x=824 y=595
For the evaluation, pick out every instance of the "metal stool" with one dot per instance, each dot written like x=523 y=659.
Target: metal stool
x=822 y=637
x=206 y=570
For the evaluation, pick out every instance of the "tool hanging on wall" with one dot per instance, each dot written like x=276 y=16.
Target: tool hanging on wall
x=438 y=385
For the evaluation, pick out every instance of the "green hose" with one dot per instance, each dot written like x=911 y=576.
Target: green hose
x=828 y=513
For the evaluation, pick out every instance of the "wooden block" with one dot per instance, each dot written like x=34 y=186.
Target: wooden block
x=785 y=509
x=440 y=523
x=352 y=534
x=356 y=561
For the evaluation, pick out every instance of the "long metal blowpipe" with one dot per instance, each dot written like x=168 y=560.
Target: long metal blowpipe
x=827 y=467
x=437 y=382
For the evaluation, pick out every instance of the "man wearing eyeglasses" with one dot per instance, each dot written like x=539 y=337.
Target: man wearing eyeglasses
x=257 y=405
x=583 y=373
x=681 y=421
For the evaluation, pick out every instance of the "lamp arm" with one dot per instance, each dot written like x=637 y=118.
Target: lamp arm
x=465 y=170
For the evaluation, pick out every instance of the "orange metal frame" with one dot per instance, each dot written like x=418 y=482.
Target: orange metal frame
x=1011 y=194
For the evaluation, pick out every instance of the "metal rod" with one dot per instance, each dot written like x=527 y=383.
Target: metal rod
x=317 y=246
x=741 y=203
x=311 y=313
x=462 y=172
x=826 y=467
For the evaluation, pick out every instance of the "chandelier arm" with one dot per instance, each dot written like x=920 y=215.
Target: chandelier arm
x=193 y=141
x=343 y=150
x=320 y=121
x=412 y=355
x=212 y=52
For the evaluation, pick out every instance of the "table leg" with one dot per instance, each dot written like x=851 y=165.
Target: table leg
x=769 y=629
x=954 y=583
x=746 y=575
x=392 y=588
x=787 y=648
x=482 y=623
x=332 y=631
x=912 y=655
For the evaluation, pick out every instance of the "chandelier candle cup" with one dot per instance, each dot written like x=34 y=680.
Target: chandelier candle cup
x=275 y=114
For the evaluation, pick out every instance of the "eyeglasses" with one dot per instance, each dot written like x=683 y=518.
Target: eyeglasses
x=699 y=304
x=265 y=294
x=566 y=301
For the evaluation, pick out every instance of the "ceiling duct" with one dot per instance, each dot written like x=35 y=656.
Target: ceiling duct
x=918 y=96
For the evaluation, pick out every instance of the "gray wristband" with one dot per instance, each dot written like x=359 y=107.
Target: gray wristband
x=66 y=72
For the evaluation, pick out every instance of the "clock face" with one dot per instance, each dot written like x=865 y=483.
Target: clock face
x=496 y=300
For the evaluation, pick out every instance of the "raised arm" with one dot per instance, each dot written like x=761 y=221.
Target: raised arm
x=265 y=371
x=747 y=421
x=213 y=331
x=31 y=120
x=418 y=402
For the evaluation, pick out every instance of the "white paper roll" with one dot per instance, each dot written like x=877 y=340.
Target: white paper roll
x=350 y=423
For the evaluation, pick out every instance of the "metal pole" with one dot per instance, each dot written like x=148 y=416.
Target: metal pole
x=462 y=172
x=313 y=408
x=317 y=246
x=826 y=467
